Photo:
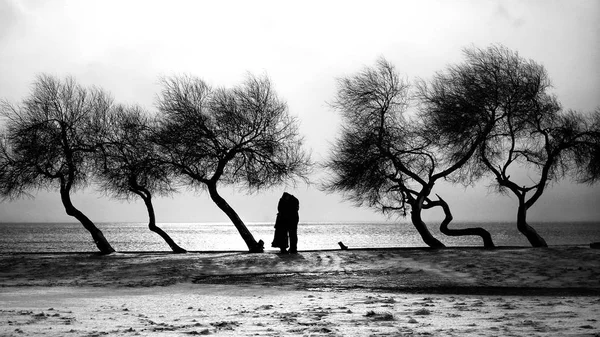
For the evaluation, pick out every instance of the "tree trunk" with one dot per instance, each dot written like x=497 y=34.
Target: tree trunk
x=153 y=227
x=478 y=231
x=253 y=246
x=530 y=233
x=99 y=239
x=415 y=216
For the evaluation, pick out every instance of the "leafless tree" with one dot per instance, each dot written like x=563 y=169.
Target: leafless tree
x=128 y=164
x=582 y=132
x=387 y=159
x=242 y=136
x=529 y=131
x=49 y=143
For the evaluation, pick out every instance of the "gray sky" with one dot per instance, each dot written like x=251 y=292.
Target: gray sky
x=124 y=46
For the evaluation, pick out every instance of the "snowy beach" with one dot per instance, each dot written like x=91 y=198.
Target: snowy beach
x=369 y=292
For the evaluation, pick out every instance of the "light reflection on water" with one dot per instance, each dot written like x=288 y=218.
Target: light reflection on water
x=72 y=237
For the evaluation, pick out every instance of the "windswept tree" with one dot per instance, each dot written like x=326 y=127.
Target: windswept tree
x=242 y=136
x=530 y=132
x=388 y=160
x=583 y=156
x=128 y=164
x=50 y=141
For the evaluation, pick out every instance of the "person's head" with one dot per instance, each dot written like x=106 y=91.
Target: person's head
x=282 y=202
x=288 y=202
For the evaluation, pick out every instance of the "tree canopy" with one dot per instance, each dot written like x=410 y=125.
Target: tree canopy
x=504 y=98
x=50 y=141
x=491 y=116
x=385 y=158
x=242 y=136
x=128 y=163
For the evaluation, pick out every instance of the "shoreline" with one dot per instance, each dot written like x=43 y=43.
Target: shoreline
x=275 y=251
x=201 y=238
x=554 y=270
x=376 y=292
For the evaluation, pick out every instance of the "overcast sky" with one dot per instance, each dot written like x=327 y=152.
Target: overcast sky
x=303 y=46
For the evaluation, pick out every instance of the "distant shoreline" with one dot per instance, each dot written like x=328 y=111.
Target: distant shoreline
x=275 y=251
x=454 y=221
x=135 y=237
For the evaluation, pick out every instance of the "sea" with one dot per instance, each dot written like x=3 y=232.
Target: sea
x=204 y=237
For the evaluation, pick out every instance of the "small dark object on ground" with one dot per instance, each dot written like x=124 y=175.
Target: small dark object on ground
x=595 y=245
x=343 y=246
x=383 y=316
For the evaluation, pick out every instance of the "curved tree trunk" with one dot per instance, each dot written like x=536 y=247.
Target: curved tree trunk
x=415 y=216
x=530 y=233
x=478 y=231
x=253 y=246
x=99 y=239
x=153 y=227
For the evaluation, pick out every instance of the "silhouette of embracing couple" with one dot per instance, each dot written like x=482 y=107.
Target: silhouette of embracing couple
x=287 y=224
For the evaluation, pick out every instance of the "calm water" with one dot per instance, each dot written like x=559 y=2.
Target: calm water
x=72 y=237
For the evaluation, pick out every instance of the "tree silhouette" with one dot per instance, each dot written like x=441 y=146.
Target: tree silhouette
x=128 y=164
x=387 y=159
x=582 y=132
x=242 y=136
x=49 y=143
x=495 y=86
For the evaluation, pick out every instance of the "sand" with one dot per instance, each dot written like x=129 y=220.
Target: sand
x=380 y=292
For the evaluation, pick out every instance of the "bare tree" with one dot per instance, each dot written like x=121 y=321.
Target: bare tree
x=243 y=137
x=495 y=86
x=49 y=141
x=582 y=132
x=384 y=158
x=128 y=164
